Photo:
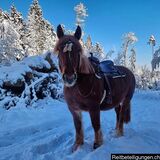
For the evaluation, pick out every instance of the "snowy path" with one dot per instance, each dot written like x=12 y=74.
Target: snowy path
x=47 y=132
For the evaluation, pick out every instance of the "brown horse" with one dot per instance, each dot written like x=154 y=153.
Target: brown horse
x=84 y=91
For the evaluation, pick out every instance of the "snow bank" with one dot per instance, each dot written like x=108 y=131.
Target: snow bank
x=13 y=73
x=33 y=78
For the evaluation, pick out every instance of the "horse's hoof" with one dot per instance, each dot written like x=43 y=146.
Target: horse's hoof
x=96 y=145
x=119 y=133
x=75 y=147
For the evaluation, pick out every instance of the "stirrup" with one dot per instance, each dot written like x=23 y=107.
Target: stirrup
x=109 y=100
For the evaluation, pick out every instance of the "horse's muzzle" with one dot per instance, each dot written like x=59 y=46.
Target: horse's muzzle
x=69 y=80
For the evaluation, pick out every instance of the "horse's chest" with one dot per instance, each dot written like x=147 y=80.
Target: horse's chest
x=80 y=100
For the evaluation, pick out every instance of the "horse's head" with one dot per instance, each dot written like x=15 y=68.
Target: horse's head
x=69 y=50
x=70 y=55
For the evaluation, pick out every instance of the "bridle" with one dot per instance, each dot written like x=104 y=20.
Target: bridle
x=68 y=49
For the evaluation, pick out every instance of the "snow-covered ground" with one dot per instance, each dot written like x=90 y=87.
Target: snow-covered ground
x=46 y=132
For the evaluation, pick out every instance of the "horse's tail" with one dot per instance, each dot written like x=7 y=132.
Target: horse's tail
x=127 y=112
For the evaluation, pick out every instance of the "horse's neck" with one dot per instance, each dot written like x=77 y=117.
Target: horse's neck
x=86 y=75
x=85 y=66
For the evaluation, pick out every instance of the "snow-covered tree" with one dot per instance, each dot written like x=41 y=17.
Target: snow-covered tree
x=109 y=54
x=88 y=47
x=81 y=14
x=145 y=77
x=16 y=17
x=128 y=40
x=88 y=43
x=10 y=44
x=35 y=30
x=156 y=60
x=20 y=26
x=119 y=59
x=98 y=51
x=132 y=60
x=155 y=55
x=152 y=42
x=40 y=34
x=50 y=37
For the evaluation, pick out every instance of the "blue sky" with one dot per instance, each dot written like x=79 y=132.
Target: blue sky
x=108 y=20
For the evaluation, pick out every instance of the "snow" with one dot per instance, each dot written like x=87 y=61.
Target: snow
x=46 y=132
x=34 y=77
x=36 y=61
x=8 y=72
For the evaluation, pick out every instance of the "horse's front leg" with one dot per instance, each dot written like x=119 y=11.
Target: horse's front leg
x=77 y=118
x=95 y=119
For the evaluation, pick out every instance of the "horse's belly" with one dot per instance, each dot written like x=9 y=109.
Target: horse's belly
x=106 y=107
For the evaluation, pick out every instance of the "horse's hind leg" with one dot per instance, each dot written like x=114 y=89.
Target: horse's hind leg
x=123 y=116
x=77 y=117
x=119 y=120
x=117 y=110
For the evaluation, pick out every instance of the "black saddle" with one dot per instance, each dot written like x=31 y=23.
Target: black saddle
x=106 y=67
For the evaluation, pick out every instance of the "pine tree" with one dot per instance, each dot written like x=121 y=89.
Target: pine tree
x=20 y=26
x=119 y=60
x=50 y=37
x=35 y=38
x=98 y=51
x=88 y=43
x=10 y=48
x=156 y=60
x=40 y=34
x=145 y=77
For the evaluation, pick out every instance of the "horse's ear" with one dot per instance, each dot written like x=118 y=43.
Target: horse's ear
x=78 y=33
x=60 y=32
